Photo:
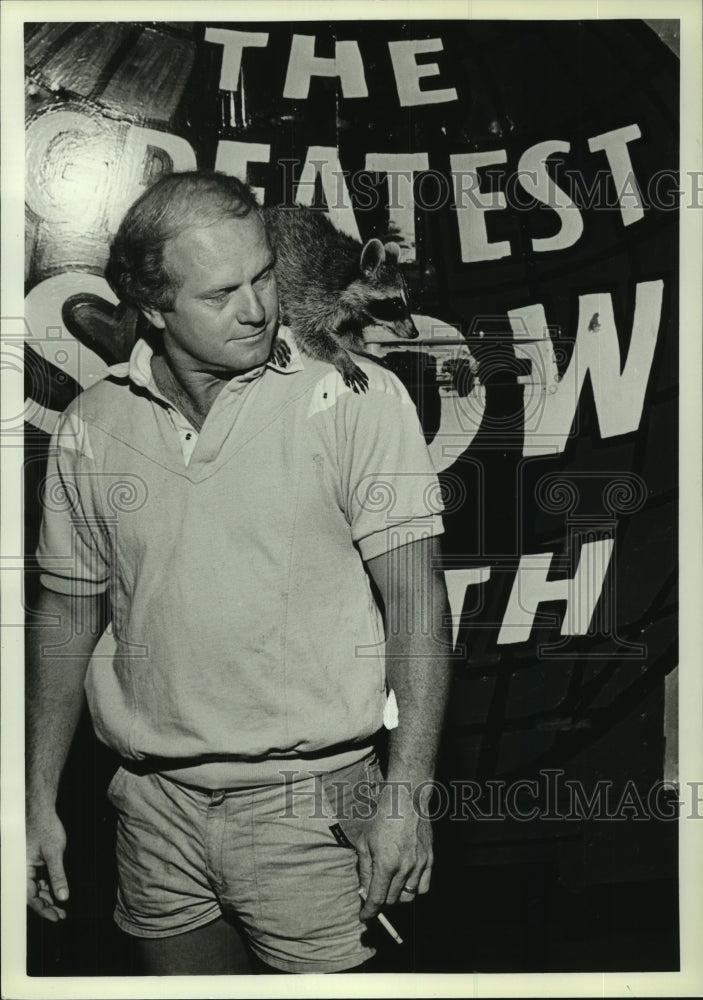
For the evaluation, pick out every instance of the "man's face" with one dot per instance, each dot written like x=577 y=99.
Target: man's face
x=225 y=314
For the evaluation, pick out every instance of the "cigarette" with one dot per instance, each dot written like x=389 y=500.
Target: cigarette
x=385 y=923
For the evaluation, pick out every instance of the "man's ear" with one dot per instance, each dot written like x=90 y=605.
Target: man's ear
x=154 y=316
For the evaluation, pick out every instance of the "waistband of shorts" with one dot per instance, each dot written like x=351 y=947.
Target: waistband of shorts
x=217 y=774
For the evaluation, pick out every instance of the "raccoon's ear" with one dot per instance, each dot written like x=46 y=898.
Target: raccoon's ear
x=392 y=251
x=372 y=256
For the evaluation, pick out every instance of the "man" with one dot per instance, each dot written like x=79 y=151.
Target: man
x=238 y=512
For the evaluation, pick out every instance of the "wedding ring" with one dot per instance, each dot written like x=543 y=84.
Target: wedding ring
x=412 y=892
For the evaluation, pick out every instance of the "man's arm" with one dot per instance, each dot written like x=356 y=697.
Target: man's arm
x=58 y=654
x=396 y=850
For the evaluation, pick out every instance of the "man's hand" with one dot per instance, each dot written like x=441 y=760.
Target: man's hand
x=54 y=699
x=46 y=879
x=394 y=851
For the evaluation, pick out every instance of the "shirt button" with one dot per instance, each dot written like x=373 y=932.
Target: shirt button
x=188 y=436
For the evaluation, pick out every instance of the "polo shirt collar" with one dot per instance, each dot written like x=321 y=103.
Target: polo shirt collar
x=138 y=368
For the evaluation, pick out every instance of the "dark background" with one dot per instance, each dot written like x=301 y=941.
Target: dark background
x=557 y=895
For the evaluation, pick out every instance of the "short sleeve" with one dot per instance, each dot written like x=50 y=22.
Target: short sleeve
x=72 y=552
x=391 y=489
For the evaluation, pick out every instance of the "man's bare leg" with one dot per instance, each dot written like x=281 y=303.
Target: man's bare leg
x=216 y=949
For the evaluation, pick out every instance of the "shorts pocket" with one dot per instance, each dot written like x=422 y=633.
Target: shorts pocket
x=116 y=783
x=352 y=799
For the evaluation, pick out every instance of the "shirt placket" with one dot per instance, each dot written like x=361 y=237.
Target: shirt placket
x=221 y=419
x=187 y=434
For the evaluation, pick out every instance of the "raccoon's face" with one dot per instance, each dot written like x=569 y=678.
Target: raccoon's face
x=380 y=296
x=388 y=307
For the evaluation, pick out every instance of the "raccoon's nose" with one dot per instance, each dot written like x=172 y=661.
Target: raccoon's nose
x=413 y=332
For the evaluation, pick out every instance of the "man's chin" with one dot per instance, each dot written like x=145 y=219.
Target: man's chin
x=253 y=338
x=252 y=351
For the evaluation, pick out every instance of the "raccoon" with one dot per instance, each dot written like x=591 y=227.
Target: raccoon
x=331 y=288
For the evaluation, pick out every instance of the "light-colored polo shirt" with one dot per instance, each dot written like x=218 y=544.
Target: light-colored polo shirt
x=245 y=626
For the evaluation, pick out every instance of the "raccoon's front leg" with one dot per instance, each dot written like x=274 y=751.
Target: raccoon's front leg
x=353 y=376
x=329 y=349
x=280 y=352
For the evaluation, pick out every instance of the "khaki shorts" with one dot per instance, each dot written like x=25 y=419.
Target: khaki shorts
x=187 y=856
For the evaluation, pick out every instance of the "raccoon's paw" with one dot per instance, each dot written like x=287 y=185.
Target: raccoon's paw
x=280 y=352
x=354 y=377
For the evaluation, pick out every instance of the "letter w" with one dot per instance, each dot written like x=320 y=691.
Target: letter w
x=618 y=390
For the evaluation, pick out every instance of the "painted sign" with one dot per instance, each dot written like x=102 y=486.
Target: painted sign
x=529 y=172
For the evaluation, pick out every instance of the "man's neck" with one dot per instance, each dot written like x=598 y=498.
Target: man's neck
x=191 y=392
